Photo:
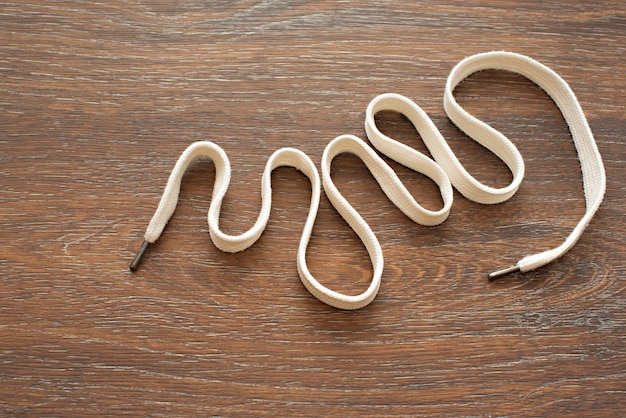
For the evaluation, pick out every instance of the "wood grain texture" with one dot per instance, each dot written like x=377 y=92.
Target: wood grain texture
x=97 y=101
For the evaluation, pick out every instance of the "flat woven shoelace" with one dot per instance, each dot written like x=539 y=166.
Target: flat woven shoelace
x=445 y=170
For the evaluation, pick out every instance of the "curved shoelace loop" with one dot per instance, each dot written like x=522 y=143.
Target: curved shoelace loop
x=395 y=191
x=445 y=170
x=594 y=177
x=447 y=165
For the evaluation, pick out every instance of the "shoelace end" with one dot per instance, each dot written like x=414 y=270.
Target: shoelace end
x=509 y=270
x=135 y=264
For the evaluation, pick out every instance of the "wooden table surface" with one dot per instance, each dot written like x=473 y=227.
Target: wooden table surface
x=98 y=100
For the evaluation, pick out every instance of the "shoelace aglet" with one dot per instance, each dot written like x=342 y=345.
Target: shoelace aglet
x=509 y=270
x=135 y=264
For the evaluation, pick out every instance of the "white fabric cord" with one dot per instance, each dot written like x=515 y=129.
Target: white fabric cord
x=446 y=171
x=397 y=193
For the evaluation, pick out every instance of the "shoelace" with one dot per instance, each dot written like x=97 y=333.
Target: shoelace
x=445 y=170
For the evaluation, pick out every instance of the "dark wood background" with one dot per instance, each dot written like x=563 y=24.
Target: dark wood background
x=97 y=102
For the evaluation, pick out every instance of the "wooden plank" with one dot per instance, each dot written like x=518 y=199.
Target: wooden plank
x=99 y=100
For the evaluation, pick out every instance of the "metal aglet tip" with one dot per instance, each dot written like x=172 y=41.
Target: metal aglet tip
x=135 y=264
x=497 y=274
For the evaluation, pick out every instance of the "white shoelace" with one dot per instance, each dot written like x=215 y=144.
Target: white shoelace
x=445 y=170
